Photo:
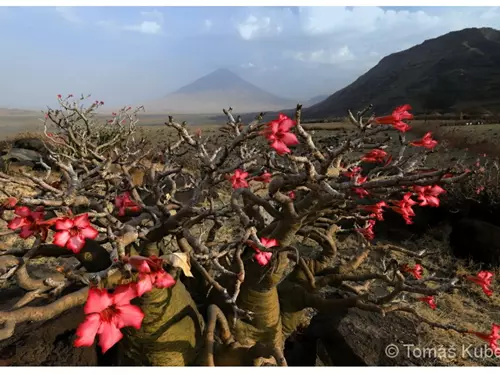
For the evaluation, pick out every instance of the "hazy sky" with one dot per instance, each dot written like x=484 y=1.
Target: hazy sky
x=130 y=55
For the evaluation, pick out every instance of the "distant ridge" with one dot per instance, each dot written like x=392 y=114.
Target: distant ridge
x=456 y=72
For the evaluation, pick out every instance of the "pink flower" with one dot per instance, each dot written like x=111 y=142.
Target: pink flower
x=123 y=202
x=491 y=337
x=404 y=208
x=376 y=209
x=106 y=314
x=416 y=271
x=263 y=257
x=396 y=119
x=30 y=222
x=426 y=141
x=374 y=156
x=428 y=195
x=264 y=177
x=367 y=231
x=279 y=136
x=361 y=192
x=483 y=279
x=238 y=179
x=291 y=194
x=72 y=233
x=353 y=172
x=151 y=273
x=430 y=300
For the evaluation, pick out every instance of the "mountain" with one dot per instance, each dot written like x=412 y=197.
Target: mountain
x=458 y=71
x=219 y=89
x=17 y=112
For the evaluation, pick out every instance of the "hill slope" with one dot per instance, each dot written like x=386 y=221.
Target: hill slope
x=458 y=71
x=215 y=91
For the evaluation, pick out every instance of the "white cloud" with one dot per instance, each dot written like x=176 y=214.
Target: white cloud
x=248 y=65
x=208 y=24
x=152 y=25
x=69 y=14
x=154 y=15
x=145 y=27
x=323 y=56
x=253 y=27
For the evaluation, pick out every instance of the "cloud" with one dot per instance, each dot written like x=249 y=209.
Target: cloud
x=151 y=25
x=323 y=56
x=208 y=24
x=145 y=27
x=69 y=14
x=248 y=65
x=253 y=27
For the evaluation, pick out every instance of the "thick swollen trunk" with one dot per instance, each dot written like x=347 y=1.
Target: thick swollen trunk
x=171 y=332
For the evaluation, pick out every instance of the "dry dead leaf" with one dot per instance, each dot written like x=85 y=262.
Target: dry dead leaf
x=180 y=260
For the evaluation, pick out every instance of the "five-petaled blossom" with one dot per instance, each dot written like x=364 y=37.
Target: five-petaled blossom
x=263 y=257
x=367 y=231
x=416 y=271
x=483 y=279
x=428 y=195
x=404 y=207
x=123 y=202
x=377 y=210
x=238 y=179
x=491 y=337
x=396 y=119
x=426 y=141
x=279 y=136
x=106 y=314
x=151 y=273
x=374 y=156
x=72 y=233
x=30 y=222
x=265 y=177
x=429 y=300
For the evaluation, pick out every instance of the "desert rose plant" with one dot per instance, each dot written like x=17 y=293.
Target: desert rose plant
x=177 y=266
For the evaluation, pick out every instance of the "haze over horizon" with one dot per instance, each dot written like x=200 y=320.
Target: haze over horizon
x=133 y=55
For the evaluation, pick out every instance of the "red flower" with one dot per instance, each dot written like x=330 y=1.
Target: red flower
x=376 y=209
x=480 y=189
x=198 y=132
x=123 y=202
x=367 y=231
x=238 y=179
x=279 y=136
x=264 y=177
x=8 y=204
x=106 y=314
x=361 y=192
x=491 y=337
x=396 y=118
x=151 y=273
x=263 y=257
x=353 y=172
x=59 y=96
x=428 y=195
x=113 y=114
x=374 y=156
x=416 y=271
x=426 y=141
x=404 y=207
x=430 y=301
x=483 y=279
x=30 y=222
x=291 y=194
x=73 y=232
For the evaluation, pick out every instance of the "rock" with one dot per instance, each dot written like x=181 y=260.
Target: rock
x=477 y=240
x=34 y=144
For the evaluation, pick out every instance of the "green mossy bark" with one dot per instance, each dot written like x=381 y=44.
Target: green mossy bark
x=171 y=332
